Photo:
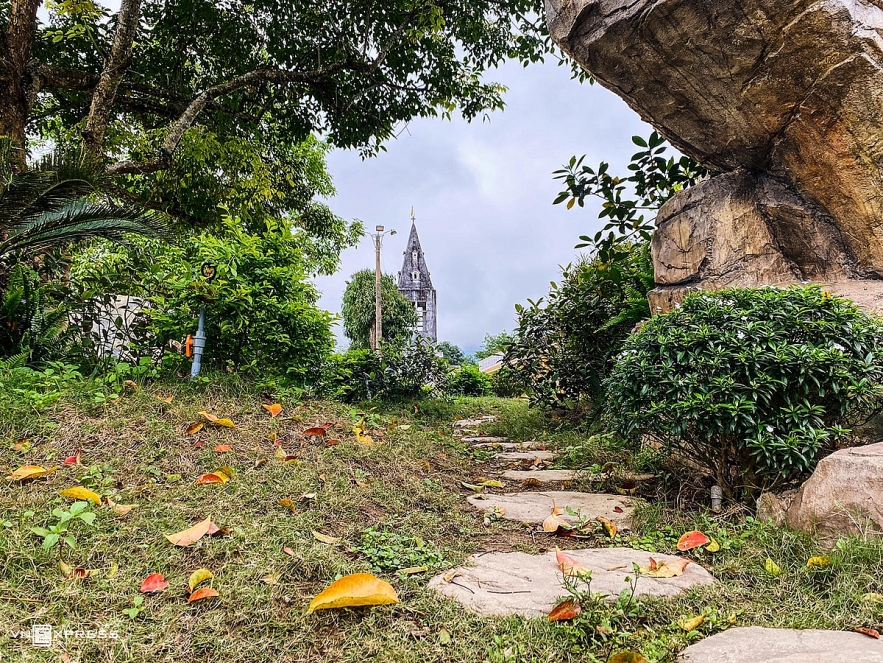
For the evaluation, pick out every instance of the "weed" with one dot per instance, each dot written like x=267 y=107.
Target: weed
x=60 y=531
x=388 y=551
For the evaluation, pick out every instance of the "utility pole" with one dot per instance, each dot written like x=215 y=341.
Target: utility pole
x=377 y=337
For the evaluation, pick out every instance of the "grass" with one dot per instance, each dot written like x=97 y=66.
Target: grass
x=410 y=513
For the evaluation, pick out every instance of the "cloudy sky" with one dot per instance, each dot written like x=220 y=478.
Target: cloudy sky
x=482 y=194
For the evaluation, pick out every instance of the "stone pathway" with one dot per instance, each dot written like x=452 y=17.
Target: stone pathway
x=533 y=507
x=543 y=476
x=772 y=645
x=484 y=439
x=515 y=456
x=507 y=445
x=517 y=583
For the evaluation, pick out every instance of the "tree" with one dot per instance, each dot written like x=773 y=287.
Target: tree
x=494 y=343
x=398 y=314
x=454 y=355
x=173 y=95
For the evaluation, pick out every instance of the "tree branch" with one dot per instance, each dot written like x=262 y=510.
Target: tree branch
x=118 y=62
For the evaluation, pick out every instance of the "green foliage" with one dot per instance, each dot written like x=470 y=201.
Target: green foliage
x=494 y=343
x=261 y=312
x=60 y=531
x=469 y=381
x=398 y=316
x=653 y=180
x=564 y=347
x=390 y=551
x=755 y=385
x=454 y=355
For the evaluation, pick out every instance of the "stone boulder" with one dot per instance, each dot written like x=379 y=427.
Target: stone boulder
x=783 y=101
x=843 y=496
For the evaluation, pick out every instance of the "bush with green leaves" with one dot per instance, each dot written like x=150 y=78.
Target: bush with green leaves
x=564 y=347
x=398 y=316
x=755 y=385
x=469 y=381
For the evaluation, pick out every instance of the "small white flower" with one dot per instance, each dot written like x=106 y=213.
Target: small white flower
x=769 y=429
x=677 y=305
x=740 y=335
x=837 y=346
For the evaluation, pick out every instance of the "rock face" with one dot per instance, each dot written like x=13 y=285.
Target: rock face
x=773 y=645
x=843 y=496
x=783 y=100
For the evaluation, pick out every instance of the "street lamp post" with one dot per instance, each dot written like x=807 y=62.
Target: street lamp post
x=378 y=307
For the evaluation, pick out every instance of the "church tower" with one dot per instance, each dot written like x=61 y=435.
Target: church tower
x=416 y=286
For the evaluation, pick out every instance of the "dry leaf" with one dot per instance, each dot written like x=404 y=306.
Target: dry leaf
x=324 y=538
x=317 y=431
x=627 y=657
x=868 y=631
x=818 y=562
x=73 y=460
x=692 y=623
x=490 y=483
x=771 y=567
x=193 y=429
x=609 y=526
x=167 y=399
x=28 y=472
x=692 y=540
x=190 y=536
x=197 y=577
x=872 y=597
x=223 y=448
x=119 y=509
x=713 y=547
x=80 y=493
x=532 y=482
x=203 y=593
x=664 y=569
x=331 y=443
x=308 y=496
x=22 y=446
x=414 y=569
x=450 y=575
x=472 y=487
x=567 y=609
x=213 y=477
x=364 y=439
x=288 y=504
x=114 y=570
x=227 y=423
x=569 y=566
x=280 y=454
x=273 y=409
x=272 y=578
x=155 y=582
x=259 y=462
x=617 y=509
x=354 y=590
x=288 y=551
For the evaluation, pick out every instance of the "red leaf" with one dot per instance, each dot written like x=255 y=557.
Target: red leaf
x=155 y=582
x=318 y=431
x=868 y=631
x=223 y=448
x=617 y=509
x=73 y=460
x=567 y=609
x=199 y=445
x=331 y=443
x=692 y=540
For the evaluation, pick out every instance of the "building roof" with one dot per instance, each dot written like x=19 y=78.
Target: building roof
x=414 y=263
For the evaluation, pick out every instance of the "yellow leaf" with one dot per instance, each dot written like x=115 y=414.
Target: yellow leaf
x=818 y=562
x=872 y=597
x=197 y=577
x=227 y=423
x=491 y=483
x=472 y=487
x=288 y=504
x=66 y=569
x=627 y=657
x=193 y=429
x=280 y=454
x=80 y=493
x=190 y=536
x=692 y=623
x=414 y=569
x=367 y=440
x=771 y=567
x=609 y=526
x=354 y=590
x=664 y=569
x=120 y=509
x=272 y=578
x=114 y=570
x=713 y=547
x=27 y=472
x=273 y=409
x=324 y=538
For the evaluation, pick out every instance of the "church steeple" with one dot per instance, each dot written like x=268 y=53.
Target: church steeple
x=415 y=283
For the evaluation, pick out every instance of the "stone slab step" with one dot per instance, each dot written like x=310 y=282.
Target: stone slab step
x=484 y=439
x=543 y=476
x=467 y=423
x=517 y=583
x=524 y=446
x=778 y=645
x=534 y=507
x=515 y=456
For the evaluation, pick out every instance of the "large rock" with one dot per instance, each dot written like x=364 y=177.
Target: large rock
x=773 y=645
x=843 y=496
x=782 y=100
x=517 y=583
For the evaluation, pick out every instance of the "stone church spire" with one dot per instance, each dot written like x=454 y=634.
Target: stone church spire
x=415 y=283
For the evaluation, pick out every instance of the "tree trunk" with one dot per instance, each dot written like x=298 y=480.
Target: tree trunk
x=15 y=52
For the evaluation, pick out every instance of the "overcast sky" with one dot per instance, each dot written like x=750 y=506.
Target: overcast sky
x=482 y=194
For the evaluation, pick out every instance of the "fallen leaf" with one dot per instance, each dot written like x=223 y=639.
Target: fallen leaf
x=193 y=429
x=273 y=409
x=405 y=427
x=223 y=448
x=75 y=573
x=868 y=631
x=692 y=540
x=444 y=636
x=308 y=496
x=627 y=657
x=490 y=483
x=227 y=423
x=28 y=472
x=202 y=593
x=324 y=538
x=272 y=578
x=358 y=589
x=367 y=440
x=280 y=454
x=713 y=547
x=288 y=504
x=331 y=443
x=771 y=567
x=411 y=570
x=199 y=445
x=818 y=562
x=190 y=536
x=114 y=570
x=359 y=482
x=609 y=526
x=80 y=493
x=617 y=509
x=213 y=477
x=22 y=446
x=664 y=569
x=472 y=487
x=167 y=399
x=155 y=582
x=214 y=530
x=288 y=551
x=119 y=509
x=317 y=431
x=450 y=575
x=259 y=462
x=872 y=597
x=73 y=460
x=567 y=609
x=197 y=577
x=692 y=623
x=531 y=482
x=569 y=566
x=66 y=569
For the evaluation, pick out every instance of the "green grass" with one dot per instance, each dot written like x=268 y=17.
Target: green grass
x=411 y=513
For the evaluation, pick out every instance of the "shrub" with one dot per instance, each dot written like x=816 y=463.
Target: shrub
x=564 y=349
x=398 y=315
x=755 y=385
x=469 y=381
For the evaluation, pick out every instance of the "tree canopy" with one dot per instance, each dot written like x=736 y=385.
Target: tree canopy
x=397 y=313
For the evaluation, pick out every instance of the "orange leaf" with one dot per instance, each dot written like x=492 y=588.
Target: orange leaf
x=190 y=536
x=569 y=566
x=567 y=609
x=202 y=593
x=213 y=477
x=664 y=569
x=193 y=429
x=273 y=409
x=199 y=445
x=28 y=472
x=331 y=443
x=317 y=431
x=73 y=460
x=168 y=399
x=155 y=582
x=288 y=504
x=609 y=526
x=227 y=423
x=868 y=631
x=692 y=540
x=627 y=657
x=223 y=448
x=354 y=590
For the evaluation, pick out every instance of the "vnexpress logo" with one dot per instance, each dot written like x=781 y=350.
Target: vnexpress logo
x=41 y=635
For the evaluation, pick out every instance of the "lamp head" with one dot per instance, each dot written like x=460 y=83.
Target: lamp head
x=392 y=232
x=379 y=229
